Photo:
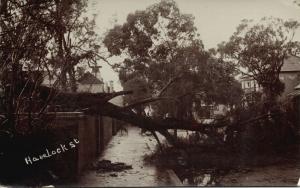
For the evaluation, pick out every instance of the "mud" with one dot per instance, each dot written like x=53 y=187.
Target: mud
x=107 y=166
x=129 y=149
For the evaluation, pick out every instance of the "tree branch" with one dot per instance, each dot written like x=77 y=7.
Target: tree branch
x=148 y=100
x=168 y=85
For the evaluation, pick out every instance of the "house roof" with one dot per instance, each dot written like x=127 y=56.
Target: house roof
x=291 y=64
x=89 y=78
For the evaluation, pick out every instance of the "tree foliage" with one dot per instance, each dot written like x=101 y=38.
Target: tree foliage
x=261 y=49
x=161 y=45
x=38 y=39
x=48 y=35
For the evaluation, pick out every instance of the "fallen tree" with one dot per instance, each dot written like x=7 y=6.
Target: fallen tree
x=98 y=103
x=263 y=131
x=237 y=130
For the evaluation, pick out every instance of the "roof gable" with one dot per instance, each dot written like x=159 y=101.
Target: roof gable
x=89 y=78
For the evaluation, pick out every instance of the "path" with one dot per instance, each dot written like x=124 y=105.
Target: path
x=129 y=149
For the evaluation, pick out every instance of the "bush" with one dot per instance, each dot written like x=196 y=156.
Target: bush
x=253 y=131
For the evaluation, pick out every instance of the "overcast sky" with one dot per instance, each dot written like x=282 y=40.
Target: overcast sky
x=215 y=20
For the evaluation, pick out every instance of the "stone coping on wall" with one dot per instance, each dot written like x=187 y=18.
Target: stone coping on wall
x=62 y=114
x=68 y=114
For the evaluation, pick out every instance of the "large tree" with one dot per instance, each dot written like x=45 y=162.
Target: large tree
x=37 y=37
x=75 y=41
x=261 y=48
x=162 y=47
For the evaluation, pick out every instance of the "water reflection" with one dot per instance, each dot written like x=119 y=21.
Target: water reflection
x=205 y=179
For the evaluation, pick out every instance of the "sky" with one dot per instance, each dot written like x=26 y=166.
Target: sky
x=216 y=20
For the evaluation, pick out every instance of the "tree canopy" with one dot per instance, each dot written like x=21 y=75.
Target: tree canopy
x=161 y=46
x=261 y=49
x=38 y=39
x=48 y=35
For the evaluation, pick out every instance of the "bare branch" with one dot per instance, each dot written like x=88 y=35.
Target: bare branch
x=168 y=85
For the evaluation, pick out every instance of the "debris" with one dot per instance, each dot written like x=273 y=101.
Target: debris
x=148 y=133
x=108 y=166
x=113 y=175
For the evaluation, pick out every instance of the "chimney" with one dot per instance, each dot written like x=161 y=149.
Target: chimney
x=111 y=85
x=106 y=87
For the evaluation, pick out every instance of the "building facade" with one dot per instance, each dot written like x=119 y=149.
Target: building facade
x=289 y=75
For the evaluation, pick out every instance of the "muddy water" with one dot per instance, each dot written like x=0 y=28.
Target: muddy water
x=266 y=171
x=284 y=174
x=131 y=149
x=274 y=175
x=200 y=180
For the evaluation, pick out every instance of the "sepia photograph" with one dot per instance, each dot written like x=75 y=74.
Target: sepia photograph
x=149 y=93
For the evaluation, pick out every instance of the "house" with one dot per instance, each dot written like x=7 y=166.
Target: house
x=252 y=90
x=87 y=82
x=249 y=85
x=289 y=75
x=90 y=83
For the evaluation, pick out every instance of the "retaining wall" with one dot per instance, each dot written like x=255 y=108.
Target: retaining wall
x=93 y=134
